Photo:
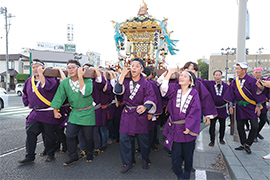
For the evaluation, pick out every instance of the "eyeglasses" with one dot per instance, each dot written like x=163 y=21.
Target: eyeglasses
x=72 y=68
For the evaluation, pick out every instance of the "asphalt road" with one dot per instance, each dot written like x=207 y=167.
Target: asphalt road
x=106 y=165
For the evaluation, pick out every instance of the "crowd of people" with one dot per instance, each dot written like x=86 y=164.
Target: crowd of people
x=83 y=115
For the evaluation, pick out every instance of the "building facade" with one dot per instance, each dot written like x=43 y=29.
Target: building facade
x=17 y=63
x=94 y=58
x=254 y=60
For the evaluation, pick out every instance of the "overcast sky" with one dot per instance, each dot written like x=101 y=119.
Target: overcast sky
x=202 y=27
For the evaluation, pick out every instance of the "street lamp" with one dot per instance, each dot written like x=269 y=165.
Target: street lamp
x=3 y=10
x=228 y=51
x=260 y=50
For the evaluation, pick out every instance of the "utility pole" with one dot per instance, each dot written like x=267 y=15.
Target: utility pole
x=3 y=10
x=241 y=38
x=241 y=47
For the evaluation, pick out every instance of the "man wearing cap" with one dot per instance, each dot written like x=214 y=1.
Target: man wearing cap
x=38 y=92
x=139 y=99
x=243 y=91
x=263 y=117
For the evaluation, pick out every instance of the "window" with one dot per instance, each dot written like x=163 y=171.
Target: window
x=26 y=67
x=11 y=65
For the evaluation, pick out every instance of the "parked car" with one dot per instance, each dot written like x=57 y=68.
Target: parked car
x=19 y=89
x=3 y=100
x=3 y=90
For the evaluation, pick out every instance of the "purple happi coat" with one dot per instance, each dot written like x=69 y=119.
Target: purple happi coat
x=119 y=109
x=30 y=99
x=190 y=112
x=250 y=89
x=112 y=101
x=159 y=103
x=220 y=103
x=97 y=94
x=207 y=103
x=142 y=93
x=104 y=100
x=266 y=93
x=158 y=96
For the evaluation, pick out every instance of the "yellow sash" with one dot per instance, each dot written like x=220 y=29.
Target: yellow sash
x=243 y=94
x=43 y=99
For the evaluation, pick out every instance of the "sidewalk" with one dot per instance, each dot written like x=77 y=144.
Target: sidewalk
x=242 y=165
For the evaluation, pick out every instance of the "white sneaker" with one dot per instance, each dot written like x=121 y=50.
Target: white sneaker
x=267 y=157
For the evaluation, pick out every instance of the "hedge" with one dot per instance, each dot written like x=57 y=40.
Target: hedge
x=21 y=78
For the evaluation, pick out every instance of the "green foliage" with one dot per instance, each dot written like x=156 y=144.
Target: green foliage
x=21 y=78
x=203 y=68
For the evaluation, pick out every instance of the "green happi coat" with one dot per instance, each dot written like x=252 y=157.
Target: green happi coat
x=76 y=101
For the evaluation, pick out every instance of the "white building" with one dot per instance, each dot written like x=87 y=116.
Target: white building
x=18 y=63
x=94 y=58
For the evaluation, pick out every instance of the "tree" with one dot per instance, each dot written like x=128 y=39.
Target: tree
x=203 y=68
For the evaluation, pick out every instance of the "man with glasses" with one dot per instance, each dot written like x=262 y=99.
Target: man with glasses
x=78 y=90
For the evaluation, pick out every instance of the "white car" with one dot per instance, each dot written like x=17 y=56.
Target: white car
x=3 y=100
x=3 y=90
x=19 y=89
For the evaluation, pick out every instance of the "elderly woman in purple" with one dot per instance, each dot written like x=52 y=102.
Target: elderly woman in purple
x=183 y=125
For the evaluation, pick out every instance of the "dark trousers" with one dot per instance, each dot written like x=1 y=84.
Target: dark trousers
x=127 y=147
x=33 y=129
x=252 y=133
x=71 y=135
x=111 y=129
x=61 y=139
x=97 y=139
x=263 y=120
x=116 y=125
x=212 y=129
x=182 y=152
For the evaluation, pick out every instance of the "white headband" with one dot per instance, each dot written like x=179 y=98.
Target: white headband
x=72 y=65
x=37 y=62
x=192 y=84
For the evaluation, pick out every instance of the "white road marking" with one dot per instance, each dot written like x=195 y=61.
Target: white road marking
x=200 y=174
x=16 y=112
x=12 y=94
x=199 y=142
x=21 y=114
x=15 y=150
x=14 y=109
